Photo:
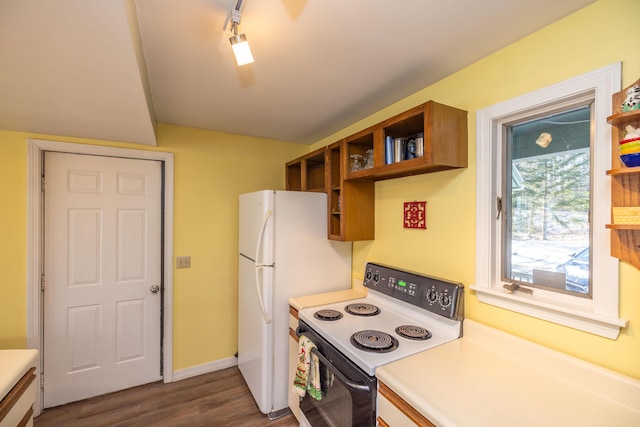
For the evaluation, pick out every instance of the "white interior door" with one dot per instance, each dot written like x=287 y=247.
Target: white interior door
x=102 y=252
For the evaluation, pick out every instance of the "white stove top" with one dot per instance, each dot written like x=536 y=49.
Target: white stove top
x=393 y=313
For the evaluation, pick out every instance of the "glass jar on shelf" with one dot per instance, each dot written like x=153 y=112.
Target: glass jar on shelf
x=357 y=163
x=368 y=159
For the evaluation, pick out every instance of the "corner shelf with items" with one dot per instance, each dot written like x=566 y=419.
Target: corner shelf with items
x=307 y=173
x=625 y=184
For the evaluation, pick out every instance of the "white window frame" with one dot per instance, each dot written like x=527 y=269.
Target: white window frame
x=598 y=315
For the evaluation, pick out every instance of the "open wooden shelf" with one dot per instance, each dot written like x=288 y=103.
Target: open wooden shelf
x=624 y=171
x=625 y=184
x=623 y=226
x=623 y=118
x=443 y=130
x=307 y=173
x=351 y=195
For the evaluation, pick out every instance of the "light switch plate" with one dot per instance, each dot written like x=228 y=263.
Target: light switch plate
x=183 y=262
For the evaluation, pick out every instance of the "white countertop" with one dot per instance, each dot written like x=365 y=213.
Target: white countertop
x=13 y=365
x=491 y=378
x=326 y=298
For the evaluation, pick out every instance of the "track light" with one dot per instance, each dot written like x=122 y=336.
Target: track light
x=239 y=42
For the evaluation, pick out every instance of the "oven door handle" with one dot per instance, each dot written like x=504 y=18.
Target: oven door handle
x=347 y=382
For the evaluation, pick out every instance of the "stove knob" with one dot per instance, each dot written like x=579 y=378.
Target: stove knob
x=368 y=275
x=432 y=295
x=445 y=300
x=376 y=277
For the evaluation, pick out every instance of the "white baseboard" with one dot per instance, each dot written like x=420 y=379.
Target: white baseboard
x=205 y=368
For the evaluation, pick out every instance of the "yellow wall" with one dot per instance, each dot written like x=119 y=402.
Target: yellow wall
x=13 y=240
x=211 y=170
x=596 y=36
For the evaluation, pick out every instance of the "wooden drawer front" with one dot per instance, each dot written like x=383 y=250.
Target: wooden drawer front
x=16 y=409
x=394 y=411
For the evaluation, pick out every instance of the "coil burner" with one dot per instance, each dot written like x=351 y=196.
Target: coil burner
x=374 y=341
x=362 y=309
x=328 y=315
x=413 y=332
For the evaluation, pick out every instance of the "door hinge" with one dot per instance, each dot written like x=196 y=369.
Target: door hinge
x=498 y=206
x=42 y=282
x=42 y=183
x=41 y=379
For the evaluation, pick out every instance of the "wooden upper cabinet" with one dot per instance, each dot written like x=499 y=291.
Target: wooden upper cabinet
x=428 y=138
x=351 y=204
x=307 y=173
x=625 y=184
x=437 y=134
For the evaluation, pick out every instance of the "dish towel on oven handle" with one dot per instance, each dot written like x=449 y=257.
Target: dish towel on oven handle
x=307 y=378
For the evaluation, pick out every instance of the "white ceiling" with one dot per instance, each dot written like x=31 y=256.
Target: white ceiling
x=112 y=69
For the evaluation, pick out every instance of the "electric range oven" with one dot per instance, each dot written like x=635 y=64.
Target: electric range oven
x=403 y=313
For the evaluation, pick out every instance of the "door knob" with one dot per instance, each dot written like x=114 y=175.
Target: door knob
x=154 y=289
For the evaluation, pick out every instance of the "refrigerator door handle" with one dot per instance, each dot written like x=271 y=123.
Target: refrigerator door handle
x=265 y=221
x=259 y=266
x=267 y=318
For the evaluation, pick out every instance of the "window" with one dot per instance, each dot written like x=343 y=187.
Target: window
x=543 y=199
x=545 y=205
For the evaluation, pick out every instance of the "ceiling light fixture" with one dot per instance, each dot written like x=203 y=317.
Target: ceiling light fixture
x=239 y=42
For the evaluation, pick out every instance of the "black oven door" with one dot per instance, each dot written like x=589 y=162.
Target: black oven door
x=348 y=393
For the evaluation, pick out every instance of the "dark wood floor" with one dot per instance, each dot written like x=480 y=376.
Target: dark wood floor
x=217 y=399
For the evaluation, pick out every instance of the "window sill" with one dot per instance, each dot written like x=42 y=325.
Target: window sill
x=571 y=315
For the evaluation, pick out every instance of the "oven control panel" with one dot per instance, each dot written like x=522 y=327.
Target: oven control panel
x=439 y=296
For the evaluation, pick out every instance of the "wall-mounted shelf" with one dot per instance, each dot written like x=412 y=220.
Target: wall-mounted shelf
x=442 y=129
x=624 y=171
x=623 y=226
x=307 y=173
x=625 y=184
x=351 y=194
x=351 y=204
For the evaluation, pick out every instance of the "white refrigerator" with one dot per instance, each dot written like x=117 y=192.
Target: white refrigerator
x=284 y=253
